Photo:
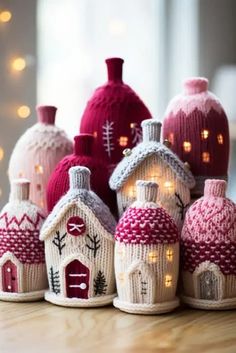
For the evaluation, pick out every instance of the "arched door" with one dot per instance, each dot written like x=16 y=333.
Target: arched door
x=208 y=283
x=142 y=287
x=77 y=280
x=9 y=277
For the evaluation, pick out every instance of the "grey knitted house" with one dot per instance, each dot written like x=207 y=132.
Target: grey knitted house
x=151 y=160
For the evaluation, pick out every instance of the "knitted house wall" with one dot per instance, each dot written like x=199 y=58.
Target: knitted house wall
x=196 y=125
x=37 y=152
x=146 y=256
x=22 y=264
x=208 y=250
x=113 y=115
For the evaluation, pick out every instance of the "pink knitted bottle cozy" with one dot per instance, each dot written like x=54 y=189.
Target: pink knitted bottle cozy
x=146 y=256
x=58 y=183
x=37 y=152
x=113 y=115
x=196 y=125
x=208 y=250
x=22 y=262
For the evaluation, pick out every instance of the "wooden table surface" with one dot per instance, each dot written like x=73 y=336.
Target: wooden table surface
x=41 y=327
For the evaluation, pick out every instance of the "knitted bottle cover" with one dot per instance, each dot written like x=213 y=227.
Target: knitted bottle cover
x=79 y=246
x=83 y=155
x=208 y=250
x=113 y=115
x=22 y=263
x=37 y=152
x=196 y=125
x=146 y=256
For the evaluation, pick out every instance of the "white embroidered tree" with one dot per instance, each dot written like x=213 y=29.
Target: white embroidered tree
x=107 y=136
x=136 y=133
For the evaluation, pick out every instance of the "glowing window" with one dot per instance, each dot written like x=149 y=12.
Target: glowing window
x=132 y=191
x=38 y=169
x=205 y=134
x=169 y=255
x=168 y=281
x=168 y=185
x=152 y=257
x=132 y=125
x=1 y=153
x=123 y=141
x=220 y=139
x=206 y=157
x=187 y=146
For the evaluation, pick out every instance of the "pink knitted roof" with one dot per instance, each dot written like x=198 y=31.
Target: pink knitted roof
x=146 y=226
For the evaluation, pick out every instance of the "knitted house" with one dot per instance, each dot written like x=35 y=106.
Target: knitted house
x=208 y=250
x=196 y=125
x=146 y=256
x=113 y=115
x=58 y=183
x=79 y=246
x=23 y=274
x=153 y=161
x=37 y=152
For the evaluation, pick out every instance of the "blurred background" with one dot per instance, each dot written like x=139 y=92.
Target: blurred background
x=53 y=51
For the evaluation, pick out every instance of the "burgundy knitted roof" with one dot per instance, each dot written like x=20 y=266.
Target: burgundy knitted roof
x=146 y=226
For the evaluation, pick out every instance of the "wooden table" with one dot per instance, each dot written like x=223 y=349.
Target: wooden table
x=41 y=327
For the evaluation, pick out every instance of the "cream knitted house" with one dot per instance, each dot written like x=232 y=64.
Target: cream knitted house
x=79 y=246
x=152 y=160
x=146 y=256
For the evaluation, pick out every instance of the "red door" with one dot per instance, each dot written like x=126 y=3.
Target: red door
x=77 y=280
x=9 y=277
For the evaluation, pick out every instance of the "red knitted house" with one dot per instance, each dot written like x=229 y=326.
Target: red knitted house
x=83 y=155
x=113 y=115
x=197 y=127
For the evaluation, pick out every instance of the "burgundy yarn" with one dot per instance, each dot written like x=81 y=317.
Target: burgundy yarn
x=83 y=155
x=46 y=114
x=113 y=115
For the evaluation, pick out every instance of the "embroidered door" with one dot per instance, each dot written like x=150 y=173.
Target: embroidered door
x=208 y=283
x=9 y=277
x=141 y=288
x=77 y=280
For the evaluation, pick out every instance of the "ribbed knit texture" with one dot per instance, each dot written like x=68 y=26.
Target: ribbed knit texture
x=22 y=262
x=79 y=246
x=196 y=125
x=114 y=114
x=83 y=155
x=146 y=256
x=209 y=248
x=37 y=152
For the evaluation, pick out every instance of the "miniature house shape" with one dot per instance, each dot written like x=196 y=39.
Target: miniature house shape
x=208 y=250
x=146 y=256
x=79 y=246
x=23 y=274
x=197 y=127
x=151 y=160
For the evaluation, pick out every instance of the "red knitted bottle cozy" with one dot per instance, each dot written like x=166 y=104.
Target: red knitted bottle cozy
x=196 y=125
x=113 y=115
x=83 y=155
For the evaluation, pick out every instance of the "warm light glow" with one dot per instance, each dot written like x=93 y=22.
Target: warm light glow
x=187 y=146
x=121 y=277
x=1 y=153
x=123 y=141
x=220 y=139
x=206 y=157
x=205 y=134
x=168 y=185
x=168 y=281
x=95 y=134
x=152 y=257
x=18 y=64
x=133 y=125
x=38 y=169
x=131 y=191
x=5 y=16
x=169 y=255
x=23 y=111
x=41 y=204
x=171 y=138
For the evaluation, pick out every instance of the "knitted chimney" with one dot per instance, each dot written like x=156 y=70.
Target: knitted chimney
x=22 y=263
x=146 y=256
x=37 y=152
x=113 y=115
x=83 y=155
x=208 y=250
x=79 y=246
x=196 y=125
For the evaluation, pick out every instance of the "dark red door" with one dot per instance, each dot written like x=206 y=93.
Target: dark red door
x=77 y=280
x=9 y=277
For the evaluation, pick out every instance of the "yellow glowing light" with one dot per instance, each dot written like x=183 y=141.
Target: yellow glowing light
x=123 y=141
x=169 y=255
x=23 y=111
x=205 y=134
x=220 y=139
x=152 y=257
x=38 y=169
x=121 y=278
x=205 y=157
x=131 y=191
x=171 y=138
x=18 y=64
x=132 y=125
x=5 y=16
x=1 y=153
x=168 y=280
x=168 y=185
x=187 y=146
